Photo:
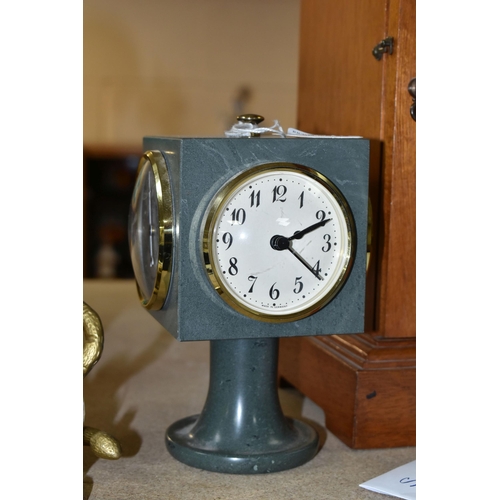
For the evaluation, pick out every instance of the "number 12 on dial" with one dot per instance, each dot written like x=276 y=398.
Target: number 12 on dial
x=278 y=242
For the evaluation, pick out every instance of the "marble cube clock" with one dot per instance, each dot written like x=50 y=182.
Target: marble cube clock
x=241 y=241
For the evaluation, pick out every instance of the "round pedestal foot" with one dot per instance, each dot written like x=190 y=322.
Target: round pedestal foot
x=252 y=455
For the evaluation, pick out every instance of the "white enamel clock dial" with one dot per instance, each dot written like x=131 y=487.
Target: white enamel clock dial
x=150 y=230
x=278 y=242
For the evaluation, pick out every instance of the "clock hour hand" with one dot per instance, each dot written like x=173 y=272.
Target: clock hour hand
x=299 y=234
x=282 y=243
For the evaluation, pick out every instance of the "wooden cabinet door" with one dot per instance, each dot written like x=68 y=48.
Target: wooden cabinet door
x=366 y=382
x=397 y=217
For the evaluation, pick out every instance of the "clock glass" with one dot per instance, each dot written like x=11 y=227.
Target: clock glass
x=278 y=242
x=150 y=230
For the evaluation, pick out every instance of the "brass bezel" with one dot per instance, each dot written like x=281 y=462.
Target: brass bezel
x=214 y=211
x=165 y=231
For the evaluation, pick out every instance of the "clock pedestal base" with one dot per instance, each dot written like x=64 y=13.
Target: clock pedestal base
x=242 y=429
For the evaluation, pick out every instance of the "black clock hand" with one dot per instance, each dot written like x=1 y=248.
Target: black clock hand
x=299 y=234
x=305 y=263
x=282 y=243
x=150 y=214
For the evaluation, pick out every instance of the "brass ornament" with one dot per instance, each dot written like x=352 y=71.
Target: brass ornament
x=101 y=443
x=93 y=338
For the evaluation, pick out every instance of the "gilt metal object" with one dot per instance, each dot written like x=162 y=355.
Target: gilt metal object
x=251 y=118
x=101 y=443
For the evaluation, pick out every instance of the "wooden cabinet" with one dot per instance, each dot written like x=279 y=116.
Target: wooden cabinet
x=365 y=383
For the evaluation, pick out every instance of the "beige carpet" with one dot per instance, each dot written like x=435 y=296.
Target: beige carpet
x=146 y=380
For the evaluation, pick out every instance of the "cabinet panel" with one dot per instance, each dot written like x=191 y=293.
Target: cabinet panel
x=340 y=82
x=397 y=231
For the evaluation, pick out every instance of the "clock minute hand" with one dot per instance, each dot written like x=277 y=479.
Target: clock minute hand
x=281 y=243
x=305 y=263
x=299 y=234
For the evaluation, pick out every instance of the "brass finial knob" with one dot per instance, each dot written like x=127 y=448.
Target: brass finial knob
x=251 y=118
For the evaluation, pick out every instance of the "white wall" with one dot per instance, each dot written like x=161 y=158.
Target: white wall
x=175 y=67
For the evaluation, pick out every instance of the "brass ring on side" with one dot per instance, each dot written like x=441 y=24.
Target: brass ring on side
x=209 y=228
x=166 y=236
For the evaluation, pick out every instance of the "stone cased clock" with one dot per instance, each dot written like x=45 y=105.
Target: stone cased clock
x=222 y=201
x=240 y=242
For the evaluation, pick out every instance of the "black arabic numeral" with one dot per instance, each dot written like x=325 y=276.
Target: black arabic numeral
x=255 y=199
x=320 y=215
x=254 y=279
x=301 y=198
x=238 y=216
x=233 y=270
x=299 y=284
x=316 y=268
x=227 y=238
x=328 y=245
x=279 y=193
x=274 y=293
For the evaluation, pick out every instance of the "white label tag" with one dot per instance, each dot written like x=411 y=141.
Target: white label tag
x=400 y=482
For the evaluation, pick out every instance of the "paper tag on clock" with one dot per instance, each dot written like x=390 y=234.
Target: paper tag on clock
x=400 y=482
x=293 y=132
